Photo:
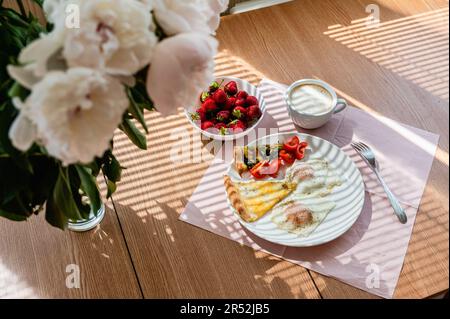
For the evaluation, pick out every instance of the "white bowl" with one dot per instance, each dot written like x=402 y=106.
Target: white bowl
x=242 y=86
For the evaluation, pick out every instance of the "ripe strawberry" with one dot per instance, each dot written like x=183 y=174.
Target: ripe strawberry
x=239 y=112
x=209 y=105
x=220 y=96
x=201 y=114
x=237 y=126
x=253 y=112
x=206 y=125
x=231 y=88
x=231 y=102
x=251 y=100
x=242 y=95
x=241 y=102
x=223 y=116
x=220 y=125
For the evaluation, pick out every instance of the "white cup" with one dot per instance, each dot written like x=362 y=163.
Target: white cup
x=308 y=120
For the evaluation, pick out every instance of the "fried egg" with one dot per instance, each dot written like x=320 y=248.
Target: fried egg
x=313 y=177
x=300 y=215
x=307 y=206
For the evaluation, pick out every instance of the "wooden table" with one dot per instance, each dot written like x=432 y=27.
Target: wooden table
x=141 y=249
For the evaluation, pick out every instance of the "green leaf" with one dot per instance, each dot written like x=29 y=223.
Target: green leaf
x=94 y=167
x=63 y=197
x=23 y=162
x=5 y=79
x=147 y=106
x=214 y=85
x=112 y=168
x=194 y=116
x=134 y=134
x=18 y=91
x=89 y=186
x=54 y=216
x=112 y=171
x=13 y=216
x=111 y=188
x=83 y=207
x=79 y=196
x=237 y=113
x=139 y=91
x=204 y=96
x=136 y=111
x=7 y=116
x=13 y=181
x=61 y=207
x=223 y=131
x=43 y=179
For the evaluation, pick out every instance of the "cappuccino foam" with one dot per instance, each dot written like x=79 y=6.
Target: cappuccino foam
x=311 y=99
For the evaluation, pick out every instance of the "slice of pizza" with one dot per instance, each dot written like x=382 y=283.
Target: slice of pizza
x=254 y=199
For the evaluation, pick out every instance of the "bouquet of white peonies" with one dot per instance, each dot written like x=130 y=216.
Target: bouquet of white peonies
x=65 y=88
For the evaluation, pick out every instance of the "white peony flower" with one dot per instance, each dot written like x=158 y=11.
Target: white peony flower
x=217 y=7
x=73 y=114
x=181 y=68
x=148 y=4
x=39 y=57
x=53 y=9
x=22 y=132
x=44 y=54
x=115 y=35
x=176 y=16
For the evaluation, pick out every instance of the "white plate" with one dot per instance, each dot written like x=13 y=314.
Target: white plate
x=242 y=86
x=349 y=197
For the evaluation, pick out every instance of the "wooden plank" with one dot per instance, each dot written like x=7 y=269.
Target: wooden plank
x=34 y=258
x=288 y=42
x=331 y=288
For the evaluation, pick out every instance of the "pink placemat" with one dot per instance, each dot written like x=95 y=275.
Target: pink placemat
x=370 y=255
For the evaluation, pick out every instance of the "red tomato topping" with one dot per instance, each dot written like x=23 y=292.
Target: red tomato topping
x=256 y=170
x=265 y=168
x=300 y=151
x=291 y=145
x=274 y=167
x=288 y=158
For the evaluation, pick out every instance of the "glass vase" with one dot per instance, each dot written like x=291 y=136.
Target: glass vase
x=84 y=225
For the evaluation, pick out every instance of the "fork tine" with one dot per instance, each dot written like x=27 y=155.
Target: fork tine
x=365 y=146
x=357 y=147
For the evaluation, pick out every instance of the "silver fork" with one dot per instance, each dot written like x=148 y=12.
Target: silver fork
x=368 y=155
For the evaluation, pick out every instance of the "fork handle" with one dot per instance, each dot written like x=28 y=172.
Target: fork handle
x=398 y=210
